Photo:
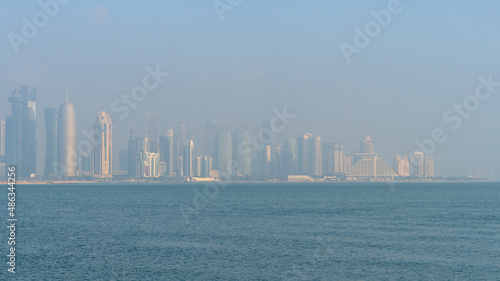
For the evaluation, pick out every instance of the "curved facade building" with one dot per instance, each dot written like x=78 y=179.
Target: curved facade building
x=66 y=141
x=51 y=114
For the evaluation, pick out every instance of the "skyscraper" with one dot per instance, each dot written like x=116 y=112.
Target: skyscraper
x=188 y=160
x=66 y=141
x=20 y=132
x=265 y=157
x=402 y=166
x=242 y=151
x=132 y=153
x=328 y=155
x=314 y=156
x=167 y=151
x=338 y=156
x=147 y=163
x=198 y=167
x=429 y=166
x=29 y=132
x=303 y=154
x=152 y=131
x=181 y=137
x=223 y=152
x=206 y=166
x=347 y=164
x=417 y=164
x=51 y=116
x=102 y=146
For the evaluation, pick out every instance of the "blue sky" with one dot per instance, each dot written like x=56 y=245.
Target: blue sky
x=267 y=54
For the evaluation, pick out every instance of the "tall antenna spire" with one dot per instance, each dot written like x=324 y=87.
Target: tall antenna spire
x=66 y=95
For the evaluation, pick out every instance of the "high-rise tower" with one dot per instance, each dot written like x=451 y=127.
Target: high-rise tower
x=132 y=153
x=102 y=146
x=188 y=160
x=20 y=129
x=242 y=151
x=223 y=152
x=66 y=141
x=303 y=154
x=51 y=116
x=167 y=151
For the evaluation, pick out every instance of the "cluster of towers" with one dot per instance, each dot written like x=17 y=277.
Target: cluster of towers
x=226 y=153
x=172 y=153
x=417 y=165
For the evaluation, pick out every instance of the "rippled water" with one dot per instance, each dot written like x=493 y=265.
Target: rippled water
x=279 y=231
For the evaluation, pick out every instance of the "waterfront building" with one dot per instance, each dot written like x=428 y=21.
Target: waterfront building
x=51 y=117
x=66 y=141
x=368 y=165
x=167 y=151
x=223 y=152
x=102 y=146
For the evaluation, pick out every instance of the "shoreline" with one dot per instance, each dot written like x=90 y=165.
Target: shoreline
x=235 y=182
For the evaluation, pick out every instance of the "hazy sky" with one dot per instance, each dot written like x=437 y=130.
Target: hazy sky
x=267 y=54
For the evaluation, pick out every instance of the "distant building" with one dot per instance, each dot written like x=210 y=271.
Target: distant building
x=303 y=154
x=198 y=166
x=167 y=151
x=51 y=117
x=417 y=164
x=148 y=165
x=133 y=149
x=347 y=164
x=66 y=141
x=368 y=165
x=338 y=163
x=20 y=132
x=299 y=178
x=223 y=152
x=188 y=160
x=314 y=156
x=328 y=156
x=265 y=156
x=206 y=166
x=402 y=166
x=242 y=151
x=181 y=137
x=429 y=167
x=102 y=146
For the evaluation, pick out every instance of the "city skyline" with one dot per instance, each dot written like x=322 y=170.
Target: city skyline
x=321 y=158
x=237 y=70
x=172 y=154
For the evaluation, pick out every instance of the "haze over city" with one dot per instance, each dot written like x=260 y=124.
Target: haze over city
x=237 y=68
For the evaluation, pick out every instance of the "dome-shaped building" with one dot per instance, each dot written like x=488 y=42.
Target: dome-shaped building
x=366 y=145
